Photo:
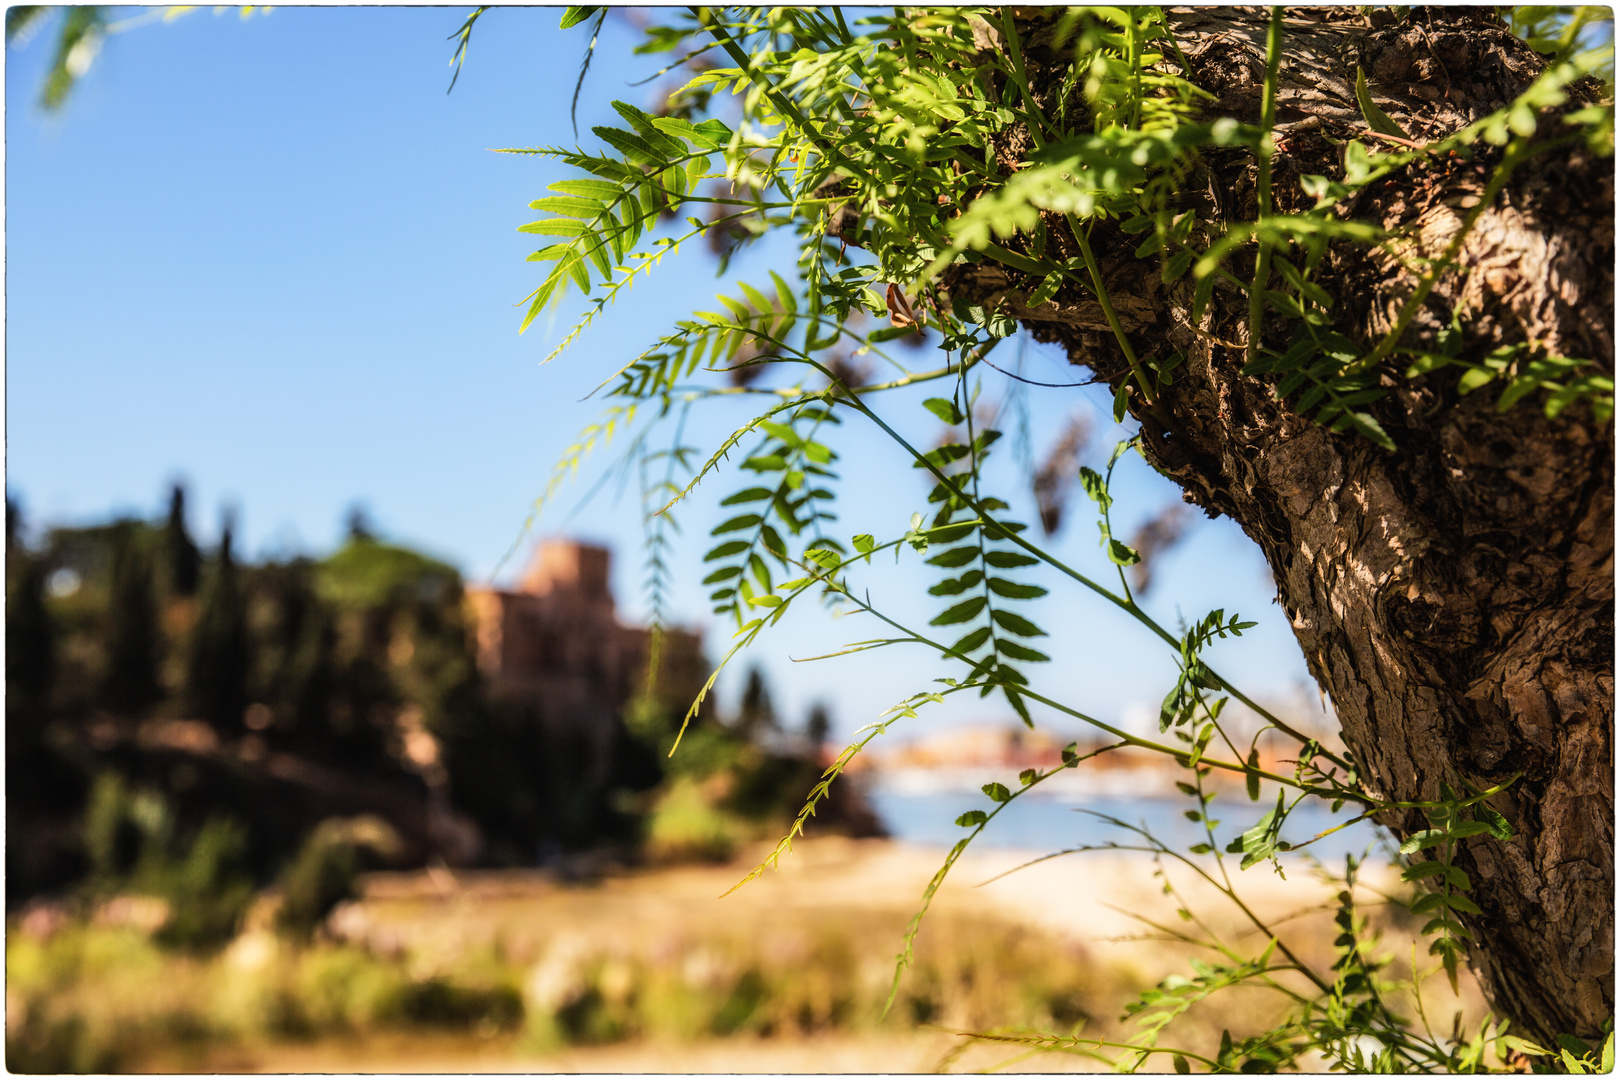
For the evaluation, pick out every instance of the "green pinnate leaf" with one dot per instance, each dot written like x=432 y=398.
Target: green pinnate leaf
x=959 y=613
x=573 y=16
x=954 y=557
x=1176 y=266
x=1092 y=483
x=957 y=586
x=730 y=547
x=1499 y=826
x=747 y=495
x=971 y=641
x=826 y=558
x=1021 y=652
x=1016 y=624
x=1014 y=590
x=741 y=521
x=1048 y=288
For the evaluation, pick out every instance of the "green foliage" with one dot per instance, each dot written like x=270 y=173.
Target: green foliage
x=223 y=703
x=1524 y=370
x=1449 y=822
x=98 y=998
x=208 y=890
x=366 y=573
x=133 y=848
x=322 y=874
x=890 y=135
x=1556 y=32
x=103 y=998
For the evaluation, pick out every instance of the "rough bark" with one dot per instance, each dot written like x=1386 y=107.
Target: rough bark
x=1454 y=598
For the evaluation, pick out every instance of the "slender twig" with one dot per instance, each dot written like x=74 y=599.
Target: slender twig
x=1262 y=183
x=1108 y=308
x=1129 y=607
x=1034 y=382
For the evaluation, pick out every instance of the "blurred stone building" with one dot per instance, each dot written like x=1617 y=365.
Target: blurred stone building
x=555 y=649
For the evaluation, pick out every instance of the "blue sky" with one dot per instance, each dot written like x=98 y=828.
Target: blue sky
x=272 y=257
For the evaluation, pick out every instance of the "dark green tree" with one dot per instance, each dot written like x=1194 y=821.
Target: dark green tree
x=818 y=725
x=755 y=711
x=217 y=664
x=358 y=523
x=30 y=667
x=30 y=645
x=182 y=559
x=130 y=684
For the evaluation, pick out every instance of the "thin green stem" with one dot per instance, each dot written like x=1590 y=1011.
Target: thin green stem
x=1134 y=61
x=783 y=105
x=1128 y=606
x=904 y=959
x=1262 y=185
x=973 y=476
x=1015 y=58
x=1108 y=523
x=1231 y=894
x=1124 y=736
x=1108 y=308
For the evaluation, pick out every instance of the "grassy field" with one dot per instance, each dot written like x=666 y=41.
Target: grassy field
x=646 y=970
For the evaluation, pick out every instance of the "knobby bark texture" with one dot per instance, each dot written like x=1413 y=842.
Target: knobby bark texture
x=1454 y=598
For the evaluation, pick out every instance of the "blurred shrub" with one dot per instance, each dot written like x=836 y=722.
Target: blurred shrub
x=129 y=837
x=688 y=824
x=208 y=890
x=89 y=996
x=835 y=976
x=323 y=873
x=52 y=1045
x=92 y=998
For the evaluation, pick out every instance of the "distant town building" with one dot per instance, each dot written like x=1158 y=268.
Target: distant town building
x=554 y=647
x=975 y=745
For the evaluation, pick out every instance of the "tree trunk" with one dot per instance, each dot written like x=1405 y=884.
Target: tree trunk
x=1454 y=598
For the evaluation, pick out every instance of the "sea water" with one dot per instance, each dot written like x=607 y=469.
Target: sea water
x=1041 y=823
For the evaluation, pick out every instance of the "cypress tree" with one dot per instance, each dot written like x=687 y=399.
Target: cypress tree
x=818 y=726
x=131 y=681
x=30 y=642
x=184 y=561
x=217 y=668
x=755 y=710
x=359 y=524
x=38 y=781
